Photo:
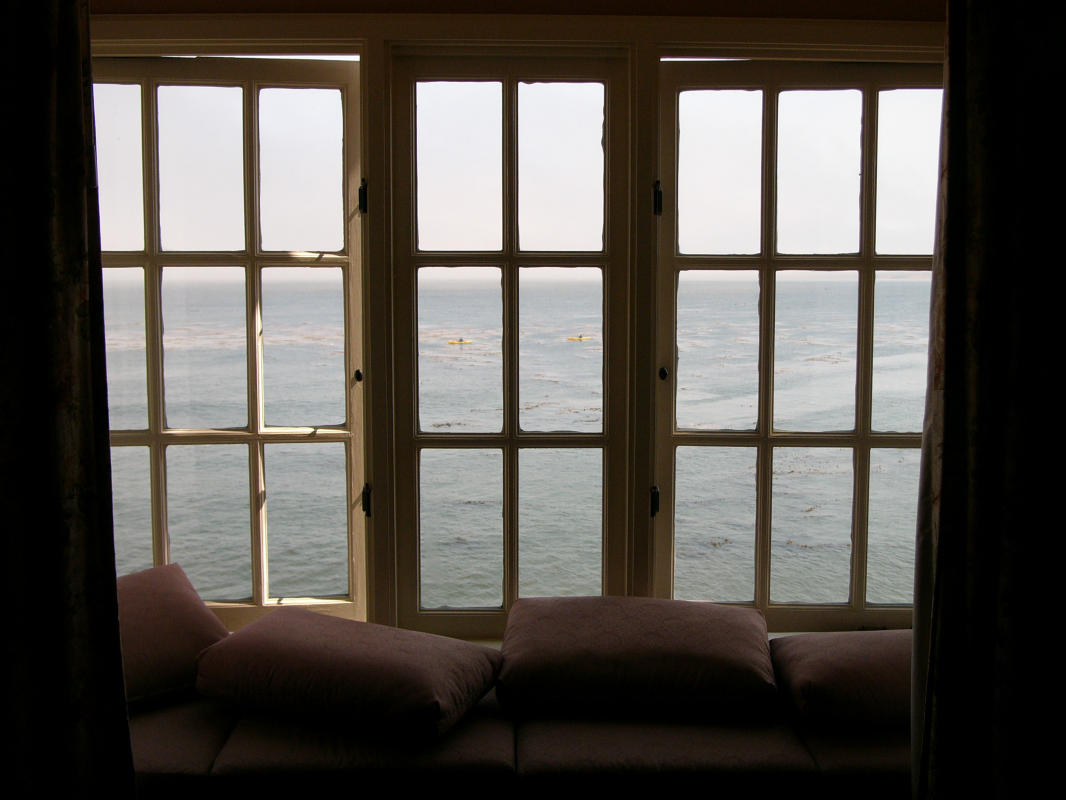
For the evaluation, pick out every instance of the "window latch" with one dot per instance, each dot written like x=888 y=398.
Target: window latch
x=362 y=196
x=366 y=499
x=654 y=500
x=657 y=202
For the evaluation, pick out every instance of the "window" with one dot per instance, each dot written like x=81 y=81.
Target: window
x=231 y=301
x=510 y=270
x=792 y=328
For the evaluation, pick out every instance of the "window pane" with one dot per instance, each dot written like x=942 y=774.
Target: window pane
x=560 y=522
x=460 y=349
x=560 y=166
x=908 y=159
x=307 y=520
x=208 y=520
x=301 y=162
x=891 y=527
x=459 y=131
x=461 y=528
x=717 y=349
x=560 y=345
x=201 y=167
x=131 y=503
x=303 y=346
x=719 y=171
x=205 y=370
x=810 y=559
x=818 y=171
x=117 y=109
x=815 y=332
x=714 y=524
x=127 y=403
x=901 y=350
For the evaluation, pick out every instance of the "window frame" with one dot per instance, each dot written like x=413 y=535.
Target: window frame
x=252 y=74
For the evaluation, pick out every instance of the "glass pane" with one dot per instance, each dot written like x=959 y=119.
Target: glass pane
x=131 y=503
x=461 y=528
x=901 y=350
x=201 y=167
x=719 y=171
x=891 y=527
x=818 y=171
x=303 y=346
x=301 y=164
x=459 y=131
x=460 y=349
x=560 y=522
x=127 y=399
x=714 y=524
x=204 y=366
x=908 y=161
x=815 y=331
x=560 y=166
x=307 y=521
x=560 y=349
x=810 y=559
x=117 y=109
x=717 y=349
x=208 y=520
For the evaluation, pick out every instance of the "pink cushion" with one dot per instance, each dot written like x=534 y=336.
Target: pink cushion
x=164 y=625
x=396 y=682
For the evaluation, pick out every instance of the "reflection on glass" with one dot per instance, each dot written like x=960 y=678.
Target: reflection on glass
x=901 y=350
x=560 y=341
x=460 y=349
x=204 y=366
x=815 y=351
x=117 y=109
x=301 y=163
x=307 y=523
x=303 y=346
x=908 y=158
x=459 y=142
x=810 y=556
x=127 y=403
x=714 y=524
x=560 y=522
x=201 y=167
x=208 y=519
x=560 y=166
x=892 y=522
x=461 y=528
x=818 y=171
x=131 y=503
x=717 y=349
x=719 y=171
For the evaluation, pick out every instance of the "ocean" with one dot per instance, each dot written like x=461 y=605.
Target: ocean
x=460 y=338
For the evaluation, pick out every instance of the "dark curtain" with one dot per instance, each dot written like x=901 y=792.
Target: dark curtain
x=989 y=519
x=65 y=714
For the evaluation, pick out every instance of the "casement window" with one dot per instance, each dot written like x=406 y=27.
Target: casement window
x=793 y=303
x=232 y=307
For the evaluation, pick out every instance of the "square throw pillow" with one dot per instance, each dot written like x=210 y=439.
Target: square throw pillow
x=620 y=656
x=859 y=677
x=405 y=684
x=163 y=625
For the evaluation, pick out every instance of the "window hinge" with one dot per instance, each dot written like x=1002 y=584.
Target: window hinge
x=362 y=196
x=366 y=499
x=654 y=500
x=657 y=202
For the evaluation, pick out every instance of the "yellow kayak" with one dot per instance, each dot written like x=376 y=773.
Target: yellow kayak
x=460 y=341
x=579 y=338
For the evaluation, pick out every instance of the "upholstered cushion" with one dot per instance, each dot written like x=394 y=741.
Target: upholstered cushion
x=858 y=677
x=164 y=625
x=621 y=656
x=401 y=683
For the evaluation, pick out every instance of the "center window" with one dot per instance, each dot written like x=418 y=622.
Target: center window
x=510 y=265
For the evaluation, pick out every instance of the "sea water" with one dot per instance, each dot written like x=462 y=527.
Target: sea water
x=560 y=387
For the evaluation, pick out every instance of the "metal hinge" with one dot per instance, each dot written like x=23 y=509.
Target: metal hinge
x=366 y=499
x=657 y=202
x=654 y=500
x=362 y=196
